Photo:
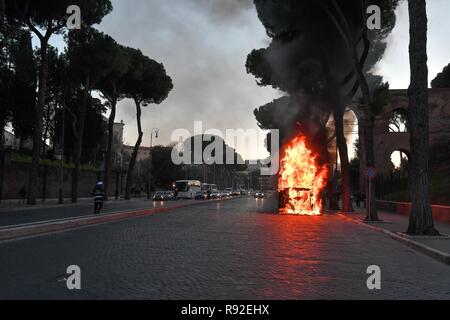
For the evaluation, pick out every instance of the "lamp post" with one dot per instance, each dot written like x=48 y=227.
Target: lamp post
x=154 y=132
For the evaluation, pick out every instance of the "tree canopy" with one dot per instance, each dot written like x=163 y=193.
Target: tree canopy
x=52 y=14
x=25 y=82
x=442 y=80
x=307 y=52
x=113 y=81
x=89 y=55
x=147 y=81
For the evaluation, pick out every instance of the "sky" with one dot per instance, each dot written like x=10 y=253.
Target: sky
x=395 y=65
x=203 y=45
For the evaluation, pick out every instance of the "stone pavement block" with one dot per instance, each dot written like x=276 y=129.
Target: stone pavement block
x=230 y=250
x=396 y=225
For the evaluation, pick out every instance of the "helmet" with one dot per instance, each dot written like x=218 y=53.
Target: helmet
x=100 y=184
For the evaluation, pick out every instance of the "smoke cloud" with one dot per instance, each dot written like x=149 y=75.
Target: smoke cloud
x=309 y=59
x=224 y=10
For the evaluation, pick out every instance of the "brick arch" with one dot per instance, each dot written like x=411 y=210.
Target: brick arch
x=356 y=110
x=385 y=145
x=398 y=100
x=406 y=152
x=386 y=142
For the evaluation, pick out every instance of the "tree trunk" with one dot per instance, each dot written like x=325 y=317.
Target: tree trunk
x=341 y=24
x=368 y=125
x=332 y=201
x=44 y=144
x=372 y=215
x=132 y=164
x=2 y=135
x=79 y=142
x=345 y=162
x=38 y=124
x=2 y=157
x=44 y=184
x=112 y=119
x=46 y=135
x=2 y=171
x=421 y=219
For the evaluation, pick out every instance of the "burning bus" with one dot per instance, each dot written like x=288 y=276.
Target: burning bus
x=301 y=179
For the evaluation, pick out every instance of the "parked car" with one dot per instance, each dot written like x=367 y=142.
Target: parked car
x=201 y=195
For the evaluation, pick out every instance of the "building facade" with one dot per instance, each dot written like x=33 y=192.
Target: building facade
x=391 y=133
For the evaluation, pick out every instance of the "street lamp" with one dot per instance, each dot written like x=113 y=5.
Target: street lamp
x=154 y=132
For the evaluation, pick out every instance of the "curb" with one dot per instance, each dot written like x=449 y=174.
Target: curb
x=60 y=225
x=424 y=249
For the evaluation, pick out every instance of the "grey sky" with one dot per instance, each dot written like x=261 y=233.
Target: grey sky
x=203 y=45
x=395 y=64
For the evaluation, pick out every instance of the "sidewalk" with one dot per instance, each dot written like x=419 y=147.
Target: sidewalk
x=396 y=225
x=18 y=205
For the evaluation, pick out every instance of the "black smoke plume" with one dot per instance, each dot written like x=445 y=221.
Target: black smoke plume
x=309 y=60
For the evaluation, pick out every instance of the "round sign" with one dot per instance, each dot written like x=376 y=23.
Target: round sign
x=371 y=172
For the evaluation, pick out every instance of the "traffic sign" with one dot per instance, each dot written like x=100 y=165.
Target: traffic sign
x=371 y=172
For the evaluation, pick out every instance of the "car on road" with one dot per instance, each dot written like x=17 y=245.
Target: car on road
x=201 y=195
x=169 y=195
x=236 y=193
x=216 y=195
x=260 y=195
x=159 y=196
x=225 y=194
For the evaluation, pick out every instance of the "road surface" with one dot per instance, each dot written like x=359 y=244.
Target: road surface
x=237 y=249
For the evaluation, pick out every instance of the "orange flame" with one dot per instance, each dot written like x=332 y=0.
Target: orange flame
x=301 y=179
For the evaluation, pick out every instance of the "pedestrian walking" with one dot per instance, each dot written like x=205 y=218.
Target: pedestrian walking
x=358 y=199
x=23 y=195
x=99 y=197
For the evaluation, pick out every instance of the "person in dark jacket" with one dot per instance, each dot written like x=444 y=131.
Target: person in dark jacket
x=23 y=195
x=358 y=199
x=99 y=197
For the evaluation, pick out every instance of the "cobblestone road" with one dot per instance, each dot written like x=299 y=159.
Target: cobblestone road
x=15 y=216
x=236 y=249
